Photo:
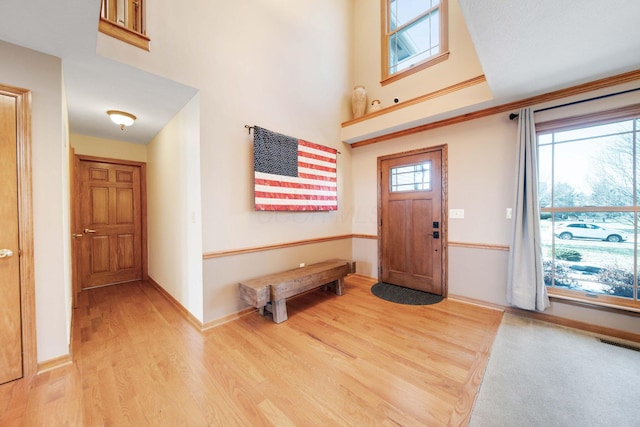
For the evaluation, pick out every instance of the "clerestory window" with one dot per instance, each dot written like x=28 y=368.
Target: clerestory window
x=415 y=36
x=589 y=198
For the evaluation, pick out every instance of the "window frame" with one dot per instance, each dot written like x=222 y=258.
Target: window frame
x=432 y=60
x=584 y=121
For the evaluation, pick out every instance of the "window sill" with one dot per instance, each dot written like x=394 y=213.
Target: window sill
x=601 y=302
x=418 y=67
x=124 y=34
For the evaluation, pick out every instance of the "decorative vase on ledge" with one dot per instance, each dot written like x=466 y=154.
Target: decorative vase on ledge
x=359 y=101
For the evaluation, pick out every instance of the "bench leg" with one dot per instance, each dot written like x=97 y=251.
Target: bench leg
x=339 y=286
x=279 y=310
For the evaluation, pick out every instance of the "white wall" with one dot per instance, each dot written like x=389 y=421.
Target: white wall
x=109 y=148
x=173 y=206
x=42 y=74
x=481 y=155
x=282 y=65
x=480 y=181
x=282 y=68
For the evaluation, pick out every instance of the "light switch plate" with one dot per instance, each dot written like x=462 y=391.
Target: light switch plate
x=456 y=213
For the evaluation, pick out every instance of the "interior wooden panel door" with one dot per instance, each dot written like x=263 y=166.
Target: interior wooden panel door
x=110 y=220
x=11 y=366
x=411 y=248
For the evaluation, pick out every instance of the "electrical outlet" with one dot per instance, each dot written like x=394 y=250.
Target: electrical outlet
x=301 y=264
x=509 y=213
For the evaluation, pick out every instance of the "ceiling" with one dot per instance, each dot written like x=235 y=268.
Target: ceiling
x=533 y=47
x=525 y=49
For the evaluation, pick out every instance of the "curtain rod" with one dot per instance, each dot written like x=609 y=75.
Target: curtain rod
x=248 y=127
x=514 y=115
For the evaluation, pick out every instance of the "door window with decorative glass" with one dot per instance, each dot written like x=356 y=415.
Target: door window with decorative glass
x=414 y=35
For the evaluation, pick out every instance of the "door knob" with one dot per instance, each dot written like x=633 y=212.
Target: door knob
x=75 y=236
x=88 y=230
x=5 y=253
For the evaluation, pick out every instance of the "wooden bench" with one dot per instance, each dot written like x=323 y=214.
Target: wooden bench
x=276 y=288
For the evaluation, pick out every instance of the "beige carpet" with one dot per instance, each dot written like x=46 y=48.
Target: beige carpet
x=543 y=375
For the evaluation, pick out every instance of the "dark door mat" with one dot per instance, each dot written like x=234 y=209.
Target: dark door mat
x=402 y=295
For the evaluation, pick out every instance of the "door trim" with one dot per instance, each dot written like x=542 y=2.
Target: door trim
x=445 y=207
x=25 y=230
x=75 y=214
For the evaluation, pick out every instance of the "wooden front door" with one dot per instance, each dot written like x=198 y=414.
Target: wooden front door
x=109 y=223
x=10 y=308
x=411 y=216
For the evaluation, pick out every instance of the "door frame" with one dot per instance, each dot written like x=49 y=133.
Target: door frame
x=25 y=228
x=444 y=170
x=75 y=213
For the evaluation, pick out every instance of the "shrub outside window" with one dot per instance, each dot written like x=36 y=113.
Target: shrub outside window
x=415 y=36
x=589 y=203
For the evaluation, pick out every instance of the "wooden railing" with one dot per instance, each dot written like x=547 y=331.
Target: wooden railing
x=124 y=20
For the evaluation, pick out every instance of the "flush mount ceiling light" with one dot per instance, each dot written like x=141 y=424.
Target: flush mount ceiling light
x=121 y=118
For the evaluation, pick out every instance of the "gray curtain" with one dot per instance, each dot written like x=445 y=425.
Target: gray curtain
x=525 y=285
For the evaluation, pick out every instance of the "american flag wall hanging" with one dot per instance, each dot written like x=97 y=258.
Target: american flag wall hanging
x=291 y=174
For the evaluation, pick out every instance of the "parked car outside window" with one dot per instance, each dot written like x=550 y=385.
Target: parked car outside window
x=583 y=230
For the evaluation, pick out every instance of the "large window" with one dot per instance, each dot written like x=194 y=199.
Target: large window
x=415 y=36
x=589 y=199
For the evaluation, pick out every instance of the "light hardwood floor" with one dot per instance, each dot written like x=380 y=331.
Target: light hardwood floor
x=351 y=360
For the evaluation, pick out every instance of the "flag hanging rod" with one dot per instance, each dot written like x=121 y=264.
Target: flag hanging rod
x=251 y=127
x=514 y=115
